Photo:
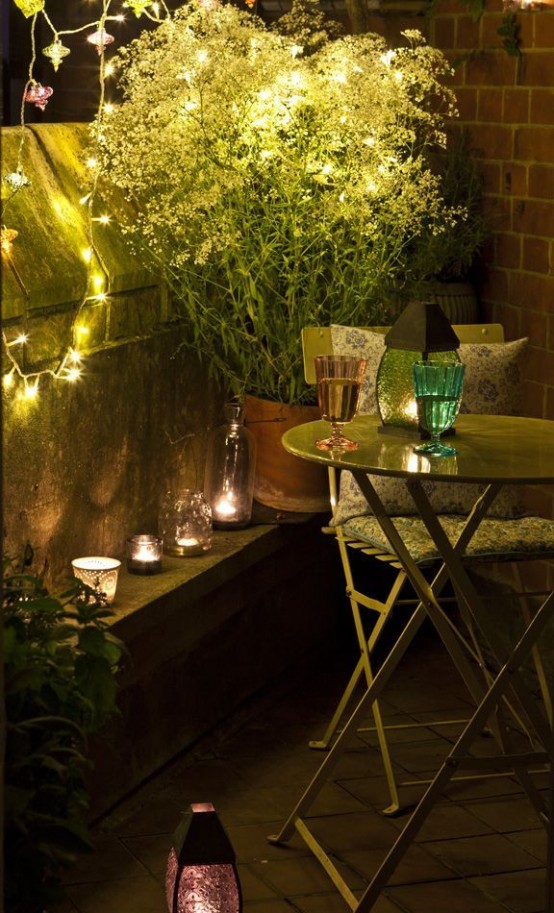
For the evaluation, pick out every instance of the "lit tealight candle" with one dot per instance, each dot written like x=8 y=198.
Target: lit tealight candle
x=144 y=555
x=189 y=545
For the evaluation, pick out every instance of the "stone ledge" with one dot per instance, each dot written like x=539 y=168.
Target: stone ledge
x=208 y=634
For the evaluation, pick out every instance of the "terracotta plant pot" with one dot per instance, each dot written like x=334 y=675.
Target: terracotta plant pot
x=283 y=481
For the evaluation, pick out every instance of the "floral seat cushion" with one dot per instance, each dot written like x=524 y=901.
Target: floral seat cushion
x=495 y=539
x=492 y=386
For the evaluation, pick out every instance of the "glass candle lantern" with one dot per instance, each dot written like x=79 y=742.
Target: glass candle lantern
x=229 y=475
x=144 y=554
x=185 y=523
x=421 y=331
x=100 y=574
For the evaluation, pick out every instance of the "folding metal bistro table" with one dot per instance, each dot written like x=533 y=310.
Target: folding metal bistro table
x=497 y=451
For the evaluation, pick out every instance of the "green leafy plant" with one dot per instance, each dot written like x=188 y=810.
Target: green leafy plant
x=277 y=182
x=451 y=257
x=60 y=665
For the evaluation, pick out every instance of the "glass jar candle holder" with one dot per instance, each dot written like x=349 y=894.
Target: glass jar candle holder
x=185 y=523
x=100 y=574
x=144 y=554
x=229 y=474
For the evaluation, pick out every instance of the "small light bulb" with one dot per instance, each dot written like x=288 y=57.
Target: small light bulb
x=92 y=162
x=87 y=254
x=109 y=108
x=74 y=356
x=31 y=389
x=81 y=331
x=104 y=220
x=85 y=199
x=109 y=69
x=73 y=374
x=8 y=379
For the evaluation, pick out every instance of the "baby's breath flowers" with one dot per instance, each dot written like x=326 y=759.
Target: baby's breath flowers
x=276 y=188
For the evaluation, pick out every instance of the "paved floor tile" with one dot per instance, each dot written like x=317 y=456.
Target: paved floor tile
x=444 y=897
x=111 y=859
x=151 y=851
x=518 y=814
x=521 y=892
x=302 y=875
x=482 y=855
x=533 y=842
x=448 y=821
x=417 y=865
x=134 y=895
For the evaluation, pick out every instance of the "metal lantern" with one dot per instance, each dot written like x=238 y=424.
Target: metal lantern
x=422 y=331
x=201 y=875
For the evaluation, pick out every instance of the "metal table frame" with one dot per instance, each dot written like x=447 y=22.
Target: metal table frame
x=493 y=696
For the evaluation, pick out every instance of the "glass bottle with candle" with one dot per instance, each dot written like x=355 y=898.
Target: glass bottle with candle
x=229 y=475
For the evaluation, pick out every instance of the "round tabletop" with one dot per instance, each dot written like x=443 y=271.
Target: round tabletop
x=490 y=448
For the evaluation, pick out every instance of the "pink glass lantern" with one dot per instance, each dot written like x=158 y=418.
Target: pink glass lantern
x=38 y=95
x=201 y=875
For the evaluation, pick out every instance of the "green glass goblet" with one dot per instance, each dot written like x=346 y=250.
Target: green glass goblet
x=438 y=389
x=339 y=381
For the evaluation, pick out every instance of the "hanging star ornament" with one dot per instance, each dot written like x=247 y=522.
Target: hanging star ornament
x=38 y=95
x=30 y=7
x=137 y=6
x=56 y=53
x=100 y=39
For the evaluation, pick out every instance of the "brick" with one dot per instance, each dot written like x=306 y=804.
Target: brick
x=492 y=140
x=539 y=66
x=498 y=213
x=467 y=33
x=491 y=174
x=491 y=23
x=531 y=290
x=534 y=217
x=532 y=401
x=535 y=326
x=492 y=68
x=536 y=255
x=534 y=144
x=550 y=337
x=539 y=366
x=489 y=105
x=509 y=317
x=514 y=179
x=526 y=32
x=542 y=106
x=495 y=287
x=516 y=106
x=90 y=329
x=543 y=21
x=467 y=103
x=507 y=250
x=443 y=31
x=541 y=181
x=549 y=410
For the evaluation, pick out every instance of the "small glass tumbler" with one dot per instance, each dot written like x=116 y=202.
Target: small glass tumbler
x=100 y=574
x=144 y=554
x=438 y=390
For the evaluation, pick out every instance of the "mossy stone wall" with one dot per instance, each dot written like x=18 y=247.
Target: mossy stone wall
x=85 y=463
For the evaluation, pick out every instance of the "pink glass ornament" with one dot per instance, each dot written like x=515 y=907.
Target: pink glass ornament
x=100 y=39
x=38 y=95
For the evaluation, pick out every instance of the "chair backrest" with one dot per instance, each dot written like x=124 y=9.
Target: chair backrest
x=317 y=340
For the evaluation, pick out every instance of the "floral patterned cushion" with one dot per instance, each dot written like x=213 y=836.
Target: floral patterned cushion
x=494 y=540
x=492 y=386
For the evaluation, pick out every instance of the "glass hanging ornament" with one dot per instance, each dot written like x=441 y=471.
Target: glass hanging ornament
x=137 y=6
x=13 y=182
x=56 y=53
x=30 y=7
x=38 y=95
x=100 y=38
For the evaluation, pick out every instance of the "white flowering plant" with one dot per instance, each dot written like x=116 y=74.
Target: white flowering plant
x=276 y=185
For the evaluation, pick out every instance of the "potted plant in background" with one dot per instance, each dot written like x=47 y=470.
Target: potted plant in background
x=277 y=182
x=60 y=661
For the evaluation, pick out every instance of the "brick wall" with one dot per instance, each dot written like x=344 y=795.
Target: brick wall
x=507 y=105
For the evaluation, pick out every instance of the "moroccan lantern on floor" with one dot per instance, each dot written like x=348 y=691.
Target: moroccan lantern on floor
x=201 y=875
x=421 y=333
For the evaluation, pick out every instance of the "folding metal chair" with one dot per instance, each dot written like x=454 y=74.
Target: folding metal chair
x=362 y=535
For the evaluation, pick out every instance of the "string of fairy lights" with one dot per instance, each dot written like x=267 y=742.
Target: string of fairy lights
x=70 y=364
